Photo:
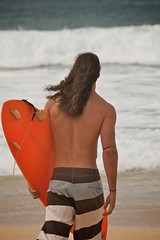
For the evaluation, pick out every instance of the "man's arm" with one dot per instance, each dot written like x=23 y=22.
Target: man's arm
x=110 y=156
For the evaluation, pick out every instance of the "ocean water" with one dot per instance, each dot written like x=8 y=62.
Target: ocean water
x=39 y=41
x=55 y=15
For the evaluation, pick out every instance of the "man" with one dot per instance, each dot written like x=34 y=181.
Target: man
x=78 y=117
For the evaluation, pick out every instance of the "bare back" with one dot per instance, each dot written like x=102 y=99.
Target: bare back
x=76 y=137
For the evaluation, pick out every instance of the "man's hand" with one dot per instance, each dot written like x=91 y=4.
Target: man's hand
x=34 y=193
x=110 y=201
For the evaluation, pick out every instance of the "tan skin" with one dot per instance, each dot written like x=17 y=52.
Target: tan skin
x=76 y=139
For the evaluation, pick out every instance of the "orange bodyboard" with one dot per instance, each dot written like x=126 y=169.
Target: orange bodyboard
x=29 y=137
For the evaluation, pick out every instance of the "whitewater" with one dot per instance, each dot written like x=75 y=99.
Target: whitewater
x=121 y=45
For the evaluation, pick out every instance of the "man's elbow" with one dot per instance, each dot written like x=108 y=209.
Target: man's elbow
x=111 y=153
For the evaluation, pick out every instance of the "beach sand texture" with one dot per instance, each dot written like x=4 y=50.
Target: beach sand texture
x=115 y=233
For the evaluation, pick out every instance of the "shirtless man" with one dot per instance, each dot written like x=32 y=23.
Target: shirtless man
x=78 y=117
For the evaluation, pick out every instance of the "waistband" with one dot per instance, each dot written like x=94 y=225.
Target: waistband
x=76 y=175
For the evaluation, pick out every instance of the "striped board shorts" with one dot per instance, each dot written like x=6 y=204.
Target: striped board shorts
x=75 y=196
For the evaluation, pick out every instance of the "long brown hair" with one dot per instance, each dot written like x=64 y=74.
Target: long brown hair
x=73 y=92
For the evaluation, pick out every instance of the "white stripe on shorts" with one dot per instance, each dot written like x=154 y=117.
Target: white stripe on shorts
x=58 y=213
x=46 y=236
x=88 y=219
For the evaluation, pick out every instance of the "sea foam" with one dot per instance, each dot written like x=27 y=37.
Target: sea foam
x=122 y=45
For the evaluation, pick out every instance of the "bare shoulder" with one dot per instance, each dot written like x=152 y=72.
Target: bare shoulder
x=107 y=108
x=49 y=105
x=52 y=108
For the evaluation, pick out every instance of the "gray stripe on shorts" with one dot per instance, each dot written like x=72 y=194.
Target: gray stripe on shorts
x=78 y=191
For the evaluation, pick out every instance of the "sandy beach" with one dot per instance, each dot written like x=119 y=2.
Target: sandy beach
x=115 y=233
x=137 y=214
